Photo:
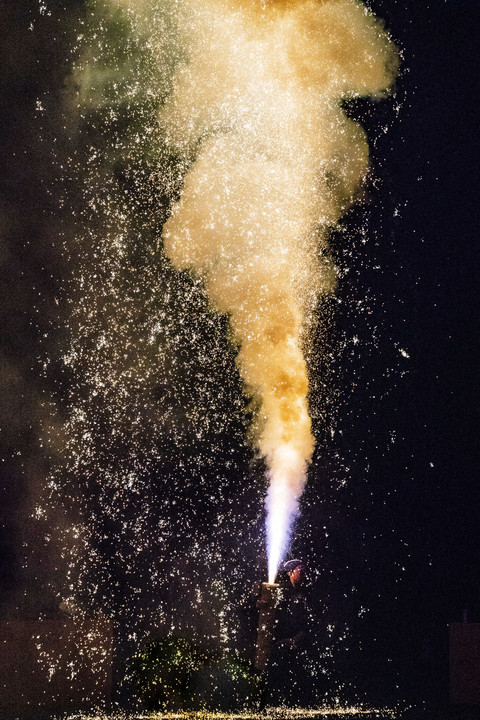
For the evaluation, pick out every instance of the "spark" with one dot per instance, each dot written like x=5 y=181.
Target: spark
x=153 y=476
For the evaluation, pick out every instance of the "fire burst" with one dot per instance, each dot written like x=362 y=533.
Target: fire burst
x=266 y=162
x=255 y=112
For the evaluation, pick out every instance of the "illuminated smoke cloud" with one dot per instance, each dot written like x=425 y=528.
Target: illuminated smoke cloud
x=273 y=162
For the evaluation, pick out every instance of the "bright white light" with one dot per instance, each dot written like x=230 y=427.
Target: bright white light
x=287 y=478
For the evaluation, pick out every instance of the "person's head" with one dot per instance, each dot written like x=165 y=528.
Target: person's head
x=296 y=571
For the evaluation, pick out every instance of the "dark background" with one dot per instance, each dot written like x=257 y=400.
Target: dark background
x=390 y=514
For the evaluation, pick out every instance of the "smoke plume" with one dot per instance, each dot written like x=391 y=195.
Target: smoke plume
x=272 y=163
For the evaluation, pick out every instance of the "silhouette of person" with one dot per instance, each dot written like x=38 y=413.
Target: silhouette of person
x=289 y=682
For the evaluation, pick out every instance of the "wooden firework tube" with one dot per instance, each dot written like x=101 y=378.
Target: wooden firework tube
x=266 y=621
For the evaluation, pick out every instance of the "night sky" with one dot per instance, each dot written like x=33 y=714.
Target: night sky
x=389 y=522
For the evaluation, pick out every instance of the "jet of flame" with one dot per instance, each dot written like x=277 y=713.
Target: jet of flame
x=273 y=162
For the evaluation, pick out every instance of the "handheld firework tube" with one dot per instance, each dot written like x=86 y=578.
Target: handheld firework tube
x=266 y=621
